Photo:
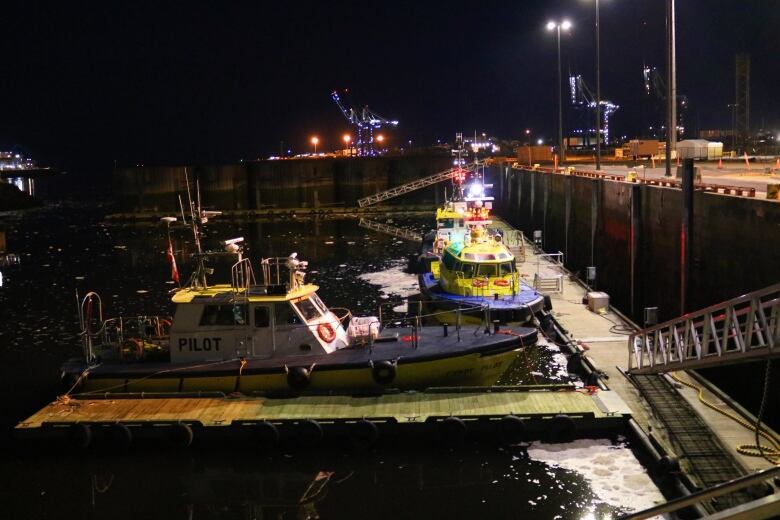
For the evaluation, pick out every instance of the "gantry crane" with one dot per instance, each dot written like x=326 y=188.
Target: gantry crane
x=365 y=122
x=583 y=99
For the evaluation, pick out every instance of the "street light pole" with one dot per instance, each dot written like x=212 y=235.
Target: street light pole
x=560 y=101
x=598 y=89
x=671 y=87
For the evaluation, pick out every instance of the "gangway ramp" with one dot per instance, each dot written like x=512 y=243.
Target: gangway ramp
x=414 y=185
x=741 y=329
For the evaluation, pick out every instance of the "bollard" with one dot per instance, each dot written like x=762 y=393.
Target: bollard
x=444 y=327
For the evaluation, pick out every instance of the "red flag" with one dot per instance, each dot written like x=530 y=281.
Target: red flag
x=172 y=261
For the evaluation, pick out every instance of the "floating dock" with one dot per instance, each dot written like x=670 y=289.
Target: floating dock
x=509 y=414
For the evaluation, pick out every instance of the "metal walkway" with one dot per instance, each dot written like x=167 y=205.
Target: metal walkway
x=414 y=185
x=696 y=445
x=741 y=329
x=406 y=234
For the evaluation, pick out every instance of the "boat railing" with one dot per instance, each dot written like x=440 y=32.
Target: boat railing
x=416 y=316
x=549 y=275
x=272 y=270
x=241 y=276
x=114 y=333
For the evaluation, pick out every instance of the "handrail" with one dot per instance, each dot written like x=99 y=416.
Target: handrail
x=414 y=185
x=699 y=496
x=741 y=328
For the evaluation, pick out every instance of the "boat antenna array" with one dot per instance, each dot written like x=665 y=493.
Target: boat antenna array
x=197 y=217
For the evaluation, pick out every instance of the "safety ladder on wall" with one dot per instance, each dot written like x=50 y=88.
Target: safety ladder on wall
x=740 y=329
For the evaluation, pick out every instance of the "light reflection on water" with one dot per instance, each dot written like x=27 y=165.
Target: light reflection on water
x=68 y=248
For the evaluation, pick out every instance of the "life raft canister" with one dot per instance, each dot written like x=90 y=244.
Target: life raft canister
x=326 y=332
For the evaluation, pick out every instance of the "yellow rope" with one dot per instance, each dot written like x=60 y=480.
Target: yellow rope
x=772 y=454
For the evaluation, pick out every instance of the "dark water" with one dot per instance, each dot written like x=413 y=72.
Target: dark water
x=68 y=247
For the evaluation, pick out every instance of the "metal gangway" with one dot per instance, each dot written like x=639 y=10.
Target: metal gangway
x=741 y=329
x=395 y=231
x=415 y=185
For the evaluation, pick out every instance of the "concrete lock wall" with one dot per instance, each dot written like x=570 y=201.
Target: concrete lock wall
x=631 y=234
x=280 y=184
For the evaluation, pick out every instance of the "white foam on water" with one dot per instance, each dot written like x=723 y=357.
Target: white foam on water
x=394 y=280
x=613 y=472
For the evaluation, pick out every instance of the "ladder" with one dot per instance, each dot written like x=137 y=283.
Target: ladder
x=414 y=185
x=741 y=329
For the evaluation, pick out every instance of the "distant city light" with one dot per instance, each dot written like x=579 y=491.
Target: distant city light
x=539 y=141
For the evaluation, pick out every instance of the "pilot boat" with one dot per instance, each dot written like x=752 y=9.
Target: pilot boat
x=274 y=334
x=469 y=265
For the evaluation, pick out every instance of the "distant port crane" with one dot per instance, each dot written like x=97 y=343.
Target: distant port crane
x=583 y=99
x=365 y=122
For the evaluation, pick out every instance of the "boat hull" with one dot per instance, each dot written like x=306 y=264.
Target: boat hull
x=438 y=360
x=518 y=309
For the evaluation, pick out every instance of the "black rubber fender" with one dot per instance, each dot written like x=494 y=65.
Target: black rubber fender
x=80 y=436
x=562 y=428
x=383 y=372
x=512 y=429
x=181 y=435
x=363 y=434
x=452 y=431
x=667 y=465
x=309 y=432
x=298 y=378
x=266 y=435
x=121 y=436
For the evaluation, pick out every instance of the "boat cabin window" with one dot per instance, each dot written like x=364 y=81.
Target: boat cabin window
x=486 y=270
x=446 y=223
x=480 y=257
x=308 y=309
x=505 y=268
x=449 y=261
x=262 y=316
x=223 y=315
x=285 y=315
x=468 y=270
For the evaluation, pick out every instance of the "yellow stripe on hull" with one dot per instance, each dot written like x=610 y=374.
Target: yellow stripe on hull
x=466 y=370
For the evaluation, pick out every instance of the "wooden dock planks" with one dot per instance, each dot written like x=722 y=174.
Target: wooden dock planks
x=403 y=407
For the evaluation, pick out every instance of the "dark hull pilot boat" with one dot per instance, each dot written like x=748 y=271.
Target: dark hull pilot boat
x=274 y=334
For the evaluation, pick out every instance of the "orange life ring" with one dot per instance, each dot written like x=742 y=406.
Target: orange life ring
x=501 y=282
x=479 y=283
x=326 y=332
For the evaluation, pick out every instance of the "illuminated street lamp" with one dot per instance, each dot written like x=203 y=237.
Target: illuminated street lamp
x=380 y=138
x=347 y=138
x=528 y=138
x=315 y=140
x=555 y=26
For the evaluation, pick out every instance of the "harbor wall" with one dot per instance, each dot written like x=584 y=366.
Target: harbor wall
x=631 y=234
x=279 y=183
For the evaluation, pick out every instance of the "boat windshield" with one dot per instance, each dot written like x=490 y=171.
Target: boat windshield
x=505 y=268
x=320 y=305
x=308 y=309
x=486 y=270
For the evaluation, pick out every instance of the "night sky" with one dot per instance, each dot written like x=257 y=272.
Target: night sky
x=198 y=82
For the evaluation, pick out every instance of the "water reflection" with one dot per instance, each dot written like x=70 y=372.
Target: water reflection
x=70 y=247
